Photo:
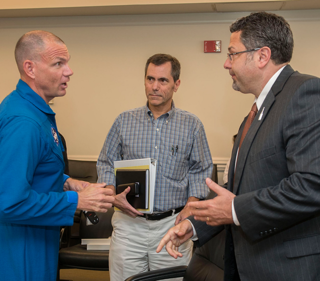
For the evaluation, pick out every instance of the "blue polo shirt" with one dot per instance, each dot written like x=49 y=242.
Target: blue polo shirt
x=33 y=205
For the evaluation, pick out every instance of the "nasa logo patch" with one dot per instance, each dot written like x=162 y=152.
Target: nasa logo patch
x=55 y=136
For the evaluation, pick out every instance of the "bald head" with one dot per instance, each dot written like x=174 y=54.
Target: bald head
x=31 y=45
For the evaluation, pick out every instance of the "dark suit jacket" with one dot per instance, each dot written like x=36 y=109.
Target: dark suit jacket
x=277 y=184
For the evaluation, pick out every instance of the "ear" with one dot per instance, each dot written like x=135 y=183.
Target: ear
x=264 y=56
x=176 y=85
x=29 y=68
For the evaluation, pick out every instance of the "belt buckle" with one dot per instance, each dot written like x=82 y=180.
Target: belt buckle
x=146 y=216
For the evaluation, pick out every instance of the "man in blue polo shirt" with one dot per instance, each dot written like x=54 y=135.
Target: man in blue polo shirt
x=35 y=196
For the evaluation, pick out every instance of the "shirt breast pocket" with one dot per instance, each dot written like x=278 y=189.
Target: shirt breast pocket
x=176 y=161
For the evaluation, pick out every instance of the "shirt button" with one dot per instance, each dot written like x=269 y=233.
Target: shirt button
x=167 y=122
x=156 y=147
x=158 y=130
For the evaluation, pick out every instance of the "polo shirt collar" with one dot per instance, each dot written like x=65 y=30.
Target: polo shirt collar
x=168 y=115
x=28 y=94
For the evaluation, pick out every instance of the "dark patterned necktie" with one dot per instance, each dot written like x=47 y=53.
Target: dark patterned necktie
x=252 y=114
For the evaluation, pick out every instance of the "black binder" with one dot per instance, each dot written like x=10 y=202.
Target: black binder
x=138 y=180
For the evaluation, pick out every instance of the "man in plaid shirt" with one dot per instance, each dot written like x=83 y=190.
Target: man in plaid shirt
x=177 y=140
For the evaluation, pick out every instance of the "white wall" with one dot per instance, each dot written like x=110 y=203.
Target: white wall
x=108 y=55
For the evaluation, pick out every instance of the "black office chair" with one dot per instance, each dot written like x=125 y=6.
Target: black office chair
x=83 y=170
x=78 y=256
x=206 y=263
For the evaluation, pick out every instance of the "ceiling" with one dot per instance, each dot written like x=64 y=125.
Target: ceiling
x=190 y=7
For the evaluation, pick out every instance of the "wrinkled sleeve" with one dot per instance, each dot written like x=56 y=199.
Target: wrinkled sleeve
x=20 y=153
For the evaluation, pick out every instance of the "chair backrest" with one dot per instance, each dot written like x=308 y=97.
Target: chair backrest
x=214 y=175
x=83 y=170
x=103 y=229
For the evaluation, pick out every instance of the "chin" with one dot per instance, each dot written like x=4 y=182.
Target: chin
x=154 y=103
x=62 y=94
x=235 y=87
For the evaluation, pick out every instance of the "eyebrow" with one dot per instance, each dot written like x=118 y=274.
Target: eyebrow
x=160 y=78
x=63 y=59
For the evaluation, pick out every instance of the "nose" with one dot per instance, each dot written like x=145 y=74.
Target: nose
x=68 y=71
x=155 y=85
x=227 y=64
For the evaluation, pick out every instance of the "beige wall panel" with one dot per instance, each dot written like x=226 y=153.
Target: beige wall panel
x=108 y=58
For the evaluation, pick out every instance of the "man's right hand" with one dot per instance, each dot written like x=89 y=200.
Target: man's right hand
x=95 y=198
x=122 y=203
x=176 y=236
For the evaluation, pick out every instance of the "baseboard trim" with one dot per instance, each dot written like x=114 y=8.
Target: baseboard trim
x=83 y=157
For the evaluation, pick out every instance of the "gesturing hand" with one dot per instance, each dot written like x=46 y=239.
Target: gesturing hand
x=217 y=211
x=176 y=236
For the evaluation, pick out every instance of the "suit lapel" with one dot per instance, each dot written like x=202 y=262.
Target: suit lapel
x=233 y=156
x=257 y=122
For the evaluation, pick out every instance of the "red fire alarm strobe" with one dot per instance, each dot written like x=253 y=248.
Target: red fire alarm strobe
x=213 y=46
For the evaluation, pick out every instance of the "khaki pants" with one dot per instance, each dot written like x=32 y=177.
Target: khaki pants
x=134 y=243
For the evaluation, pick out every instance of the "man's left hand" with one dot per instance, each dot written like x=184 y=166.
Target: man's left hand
x=217 y=211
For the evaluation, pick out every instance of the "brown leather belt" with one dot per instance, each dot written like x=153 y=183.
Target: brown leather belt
x=160 y=216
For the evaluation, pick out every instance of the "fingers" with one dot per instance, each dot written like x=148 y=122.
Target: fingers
x=175 y=237
x=183 y=214
x=122 y=203
x=126 y=191
x=94 y=198
x=173 y=251
x=178 y=219
x=185 y=228
x=132 y=212
x=101 y=185
x=105 y=208
x=178 y=234
x=164 y=241
x=108 y=191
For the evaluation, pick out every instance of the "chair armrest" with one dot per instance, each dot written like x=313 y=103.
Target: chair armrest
x=165 y=273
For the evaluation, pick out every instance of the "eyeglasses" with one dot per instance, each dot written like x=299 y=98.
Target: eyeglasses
x=246 y=51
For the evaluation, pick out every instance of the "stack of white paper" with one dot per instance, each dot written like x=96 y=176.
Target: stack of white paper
x=96 y=243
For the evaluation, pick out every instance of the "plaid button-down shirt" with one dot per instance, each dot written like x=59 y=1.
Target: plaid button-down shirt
x=177 y=141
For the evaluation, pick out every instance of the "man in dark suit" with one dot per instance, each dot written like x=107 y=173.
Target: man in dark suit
x=271 y=207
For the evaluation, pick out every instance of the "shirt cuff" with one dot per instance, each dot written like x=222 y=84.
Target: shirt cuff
x=234 y=215
x=65 y=177
x=72 y=197
x=195 y=235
